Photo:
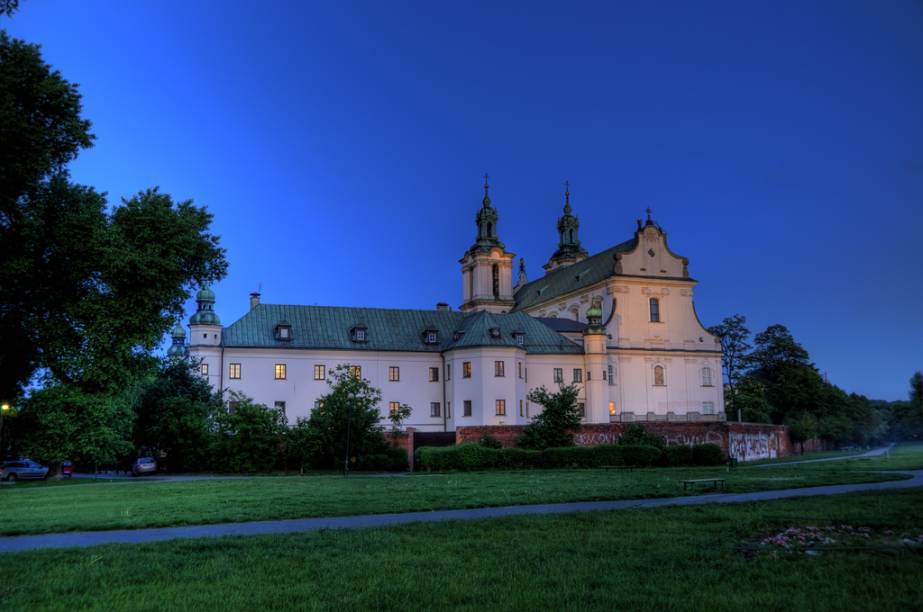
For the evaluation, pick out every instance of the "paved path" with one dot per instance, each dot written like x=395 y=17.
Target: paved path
x=82 y=539
x=875 y=452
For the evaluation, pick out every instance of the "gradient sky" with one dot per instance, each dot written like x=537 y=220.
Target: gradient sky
x=341 y=146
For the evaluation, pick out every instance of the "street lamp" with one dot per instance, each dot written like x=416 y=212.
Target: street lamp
x=4 y=408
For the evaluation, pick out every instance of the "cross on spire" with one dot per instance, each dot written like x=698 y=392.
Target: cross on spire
x=648 y=213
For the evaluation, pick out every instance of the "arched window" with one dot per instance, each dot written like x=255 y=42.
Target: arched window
x=655 y=310
x=706 y=377
x=495 y=270
x=658 y=376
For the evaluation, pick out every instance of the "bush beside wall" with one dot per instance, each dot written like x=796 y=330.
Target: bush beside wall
x=470 y=457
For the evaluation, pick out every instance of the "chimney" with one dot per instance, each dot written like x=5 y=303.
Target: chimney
x=254 y=300
x=442 y=306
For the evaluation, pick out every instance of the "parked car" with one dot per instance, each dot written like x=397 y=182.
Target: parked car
x=67 y=469
x=24 y=468
x=143 y=465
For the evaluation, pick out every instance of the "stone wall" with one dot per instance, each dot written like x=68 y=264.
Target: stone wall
x=743 y=441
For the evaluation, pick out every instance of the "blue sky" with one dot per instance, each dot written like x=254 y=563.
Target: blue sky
x=341 y=146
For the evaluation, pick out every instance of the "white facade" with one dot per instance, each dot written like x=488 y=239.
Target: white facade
x=642 y=361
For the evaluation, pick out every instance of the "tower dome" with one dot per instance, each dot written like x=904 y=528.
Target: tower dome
x=205 y=313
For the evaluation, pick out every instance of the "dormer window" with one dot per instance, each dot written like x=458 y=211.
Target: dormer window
x=283 y=331
x=458 y=335
x=520 y=338
x=431 y=336
x=359 y=334
x=494 y=332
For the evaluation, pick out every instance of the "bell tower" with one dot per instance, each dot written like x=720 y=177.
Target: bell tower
x=487 y=267
x=569 y=249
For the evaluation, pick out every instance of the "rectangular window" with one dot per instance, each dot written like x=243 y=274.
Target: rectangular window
x=448 y=410
x=448 y=371
x=466 y=369
x=611 y=375
x=234 y=371
x=521 y=413
x=519 y=369
x=394 y=407
x=435 y=409
x=708 y=407
x=280 y=371
x=320 y=371
x=355 y=371
x=655 y=310
x=467 y=412
x=612 y=409
x=558 y=375
x=581 y=409
x=280 y=407
x=394 y=373
x=499 y=368
x=501 y=407
x=434 y=375
x=203 y=369
x=578 y=375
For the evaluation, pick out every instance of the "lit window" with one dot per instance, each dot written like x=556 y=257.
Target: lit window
x=280 y=371
x=578 y=375
x=394 y=373
x=355 y=371
x=434 y=375
x=501 y=407
x=499 y=368
x=394 y=407
x=558 y=375
x=466 y=369
x=581 y=409
x=435 y=409
x=655 y=310
x=234 y=371
x=611 y=408
x=203 y=369
x=611 y=374
x=320 y=371
x=706 y=377
x=658 y=376
x=708 y=407
x=467 y=411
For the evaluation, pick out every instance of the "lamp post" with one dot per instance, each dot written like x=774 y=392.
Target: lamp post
x=4 y=408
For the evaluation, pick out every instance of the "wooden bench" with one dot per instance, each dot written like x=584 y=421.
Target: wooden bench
x=630 y=468
x=717 y=483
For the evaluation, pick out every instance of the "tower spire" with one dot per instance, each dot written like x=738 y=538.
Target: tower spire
x=486 y=201
x=569 y=249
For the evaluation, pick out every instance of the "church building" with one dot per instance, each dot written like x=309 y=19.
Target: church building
x=619 y=324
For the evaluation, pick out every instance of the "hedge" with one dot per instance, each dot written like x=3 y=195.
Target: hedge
x=392 y=459
x=468 y=457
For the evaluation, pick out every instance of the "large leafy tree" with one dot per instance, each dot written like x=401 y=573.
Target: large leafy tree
x=558 y=421
x=733 y=334
x=793 y=385
x=346 y=417
x=87 y=292
x=250 y=437
x=176 y=412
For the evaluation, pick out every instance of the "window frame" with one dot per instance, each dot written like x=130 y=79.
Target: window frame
x=355 y=371
x=234 y=371
x=467 y=408
x=466 y=369
x=280 y=371
x=707 y=377
x=659 y=369
x=499 y=369
x=558 y=375
x=393 y=408
x=394 y=374
x=654 y=310
x=322 y=369
x=203 y=369
x=435 y=410
x=500 y=407
x=578 y=375
x=434 y=374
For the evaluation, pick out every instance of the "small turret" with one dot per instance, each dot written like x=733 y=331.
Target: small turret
x=177 y=350
x=205 y=314
x=569 y=249
x=522 y=280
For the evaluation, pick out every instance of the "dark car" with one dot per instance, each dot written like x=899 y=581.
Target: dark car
x=22 y=469
x=143 y=465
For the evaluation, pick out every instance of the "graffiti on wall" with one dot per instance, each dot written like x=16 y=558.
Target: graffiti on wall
x=611 y=437
x=710 y=437
x=596 y=438
x=752 y=446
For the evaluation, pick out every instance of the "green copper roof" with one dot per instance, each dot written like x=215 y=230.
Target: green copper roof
x=571 y=278
x=205 y=295
x=330 y=327
x=204 y=317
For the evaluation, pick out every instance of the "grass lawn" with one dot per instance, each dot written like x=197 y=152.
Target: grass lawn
x=51 y=508
x=701 y=558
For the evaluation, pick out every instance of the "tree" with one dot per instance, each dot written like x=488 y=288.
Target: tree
x=751 y=402
x=556 y=424
x=249 y=437
x=802 y=428
x=916 y=390
x=346 y=417
x=793 y=385
x=733 y=334
x=175 y=415
x=397 y=418
x=636 y=435
x=8 y=7
x=61 y=423
x=88 y=293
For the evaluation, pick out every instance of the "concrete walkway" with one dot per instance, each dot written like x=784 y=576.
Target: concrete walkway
x=875 y=452
x=82 y=539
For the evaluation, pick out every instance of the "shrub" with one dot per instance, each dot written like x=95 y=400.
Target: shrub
x=640 y=455
x=707 y=454
x=392 y=459
x=555 y=425
x=636 y=435
x=488 y=441
x=676 y=455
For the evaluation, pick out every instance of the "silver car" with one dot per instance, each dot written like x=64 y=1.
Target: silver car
x=24 y=468
x=144 y=465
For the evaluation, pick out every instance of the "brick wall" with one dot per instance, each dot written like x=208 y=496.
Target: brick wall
x=405 y=441
x=745 y=441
